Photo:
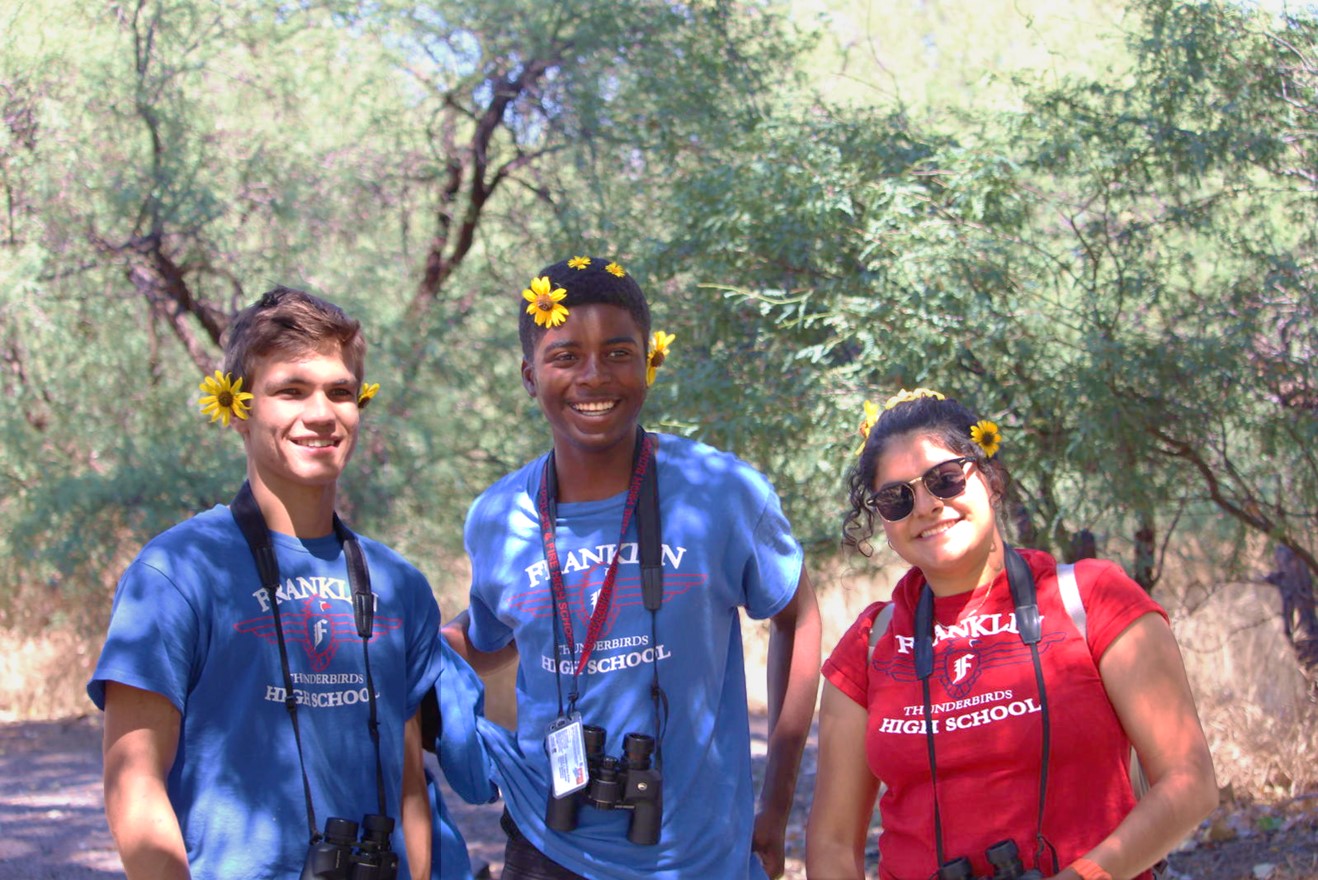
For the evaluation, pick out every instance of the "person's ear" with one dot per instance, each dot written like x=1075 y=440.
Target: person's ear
x=528 y=378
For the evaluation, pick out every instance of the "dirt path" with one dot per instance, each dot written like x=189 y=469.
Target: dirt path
x=52 y=824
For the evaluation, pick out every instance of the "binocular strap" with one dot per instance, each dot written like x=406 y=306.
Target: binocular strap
x=247 y=514
x=1020 y=580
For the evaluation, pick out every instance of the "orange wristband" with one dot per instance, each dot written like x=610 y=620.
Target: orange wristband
x=1089 y=870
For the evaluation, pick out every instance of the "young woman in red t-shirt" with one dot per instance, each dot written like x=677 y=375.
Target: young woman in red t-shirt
x=1034 y=714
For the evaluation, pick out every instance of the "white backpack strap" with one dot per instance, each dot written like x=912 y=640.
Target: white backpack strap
x=1070 y=591
x=880 y=626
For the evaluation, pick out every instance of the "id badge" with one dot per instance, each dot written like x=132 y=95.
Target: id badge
x=567 y=755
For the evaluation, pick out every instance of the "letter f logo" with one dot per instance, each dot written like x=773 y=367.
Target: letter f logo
x=322 y=629
x=961 y=667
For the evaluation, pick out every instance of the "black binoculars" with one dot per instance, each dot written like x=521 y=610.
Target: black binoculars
x=341 y=856
x=1003 y=856
x=626 y=783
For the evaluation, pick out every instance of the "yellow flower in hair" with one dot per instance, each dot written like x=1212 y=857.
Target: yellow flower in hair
x=615 y=269
x=987 y=436
x=871 y=416
x=224 y=398
x=545 y=302
x=368 y=392
x=905 y=396
x=659 y=342
x=578 y=262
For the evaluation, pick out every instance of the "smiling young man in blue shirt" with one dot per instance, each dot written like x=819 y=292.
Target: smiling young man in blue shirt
x=557 y=583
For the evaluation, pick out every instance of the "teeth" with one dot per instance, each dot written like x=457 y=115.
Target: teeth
x=316 y=444
x=938 y=529
x=594 y=408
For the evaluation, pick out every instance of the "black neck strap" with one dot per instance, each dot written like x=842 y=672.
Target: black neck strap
x=1020 y=580
x=247 y=513
x=650 y=539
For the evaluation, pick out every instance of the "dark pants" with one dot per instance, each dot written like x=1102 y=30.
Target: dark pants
x=522 y=861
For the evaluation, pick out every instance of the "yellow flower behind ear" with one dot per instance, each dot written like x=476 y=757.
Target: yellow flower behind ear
x=659 y=342
x=987 y=436
x=545 y=302
x=368 y=393
x=866 y=423
x=224 y=398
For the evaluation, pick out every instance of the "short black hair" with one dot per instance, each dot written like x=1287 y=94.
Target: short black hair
x=588 y=281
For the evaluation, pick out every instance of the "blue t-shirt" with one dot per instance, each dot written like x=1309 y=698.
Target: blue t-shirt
x=726 y=546
x=192 y=622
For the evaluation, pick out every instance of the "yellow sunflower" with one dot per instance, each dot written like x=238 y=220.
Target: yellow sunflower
x=544 y=302
x=368 y=392
x=615 y=269
x=659 y=342
x=871 y=416
x=224 y=398
x=578 y=262
x=987 y=435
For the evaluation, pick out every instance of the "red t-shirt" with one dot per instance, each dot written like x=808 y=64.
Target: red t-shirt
x=988 y=730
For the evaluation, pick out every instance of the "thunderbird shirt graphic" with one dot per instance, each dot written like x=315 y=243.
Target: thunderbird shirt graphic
x=583 y=574
x=980 y=664
x=965 y=652
x=316 y=616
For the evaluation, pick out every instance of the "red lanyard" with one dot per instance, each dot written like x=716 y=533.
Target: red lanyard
x=547 y=504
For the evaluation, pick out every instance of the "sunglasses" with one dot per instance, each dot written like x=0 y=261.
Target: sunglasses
x=895 y=501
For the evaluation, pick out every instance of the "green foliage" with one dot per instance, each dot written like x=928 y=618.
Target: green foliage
x=165 y=161
x=1120 y=274
x=1109 y=252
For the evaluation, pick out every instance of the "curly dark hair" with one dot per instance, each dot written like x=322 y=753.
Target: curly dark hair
x=948 y=422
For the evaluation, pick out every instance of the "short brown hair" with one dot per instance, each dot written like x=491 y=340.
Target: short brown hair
x=293 y=323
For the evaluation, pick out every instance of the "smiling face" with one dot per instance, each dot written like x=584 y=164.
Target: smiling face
x=954 y=540
x=303 y=424
x=588 y=375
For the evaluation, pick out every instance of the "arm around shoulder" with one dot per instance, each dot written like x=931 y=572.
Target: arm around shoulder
x=457 y=633
x=140 y=744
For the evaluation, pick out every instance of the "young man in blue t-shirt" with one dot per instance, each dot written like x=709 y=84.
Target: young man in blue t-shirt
x=236 y=721
x=558 y=552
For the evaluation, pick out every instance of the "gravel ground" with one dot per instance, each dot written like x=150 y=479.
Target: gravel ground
x=52 y=824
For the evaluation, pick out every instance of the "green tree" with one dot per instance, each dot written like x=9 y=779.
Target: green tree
x=166 y=160
x=1120 y=273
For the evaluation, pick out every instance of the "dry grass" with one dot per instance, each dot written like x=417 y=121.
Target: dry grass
x=43 y=676
x=1261 y=722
